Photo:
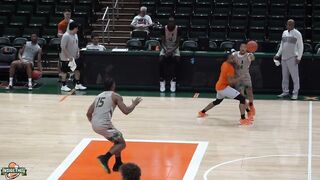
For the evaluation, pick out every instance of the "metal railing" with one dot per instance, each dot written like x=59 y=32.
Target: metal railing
x=105 y=28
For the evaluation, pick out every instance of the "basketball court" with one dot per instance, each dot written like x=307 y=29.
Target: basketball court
x=54 y=140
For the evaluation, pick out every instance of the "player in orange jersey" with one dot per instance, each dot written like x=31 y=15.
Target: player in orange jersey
x=224 y=89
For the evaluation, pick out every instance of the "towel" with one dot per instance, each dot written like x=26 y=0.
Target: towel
x=72 y=64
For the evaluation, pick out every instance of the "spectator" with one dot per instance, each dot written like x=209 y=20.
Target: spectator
x=63 y=25
x=142 y=21
x=25 y=63
x=130 y=171
x=318 y=51
x=95 y=44
x=70 y=57
x=169 y=55
x=291 y=50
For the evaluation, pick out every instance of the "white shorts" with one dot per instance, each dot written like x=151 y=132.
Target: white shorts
x=228 y=92
x=175 y=52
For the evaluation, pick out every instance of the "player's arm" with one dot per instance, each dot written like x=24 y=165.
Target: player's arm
x=251 y=57
x=178 y=40
x=20 y=53
x=163 y=40
x=60 y=31
x=39 y=60
x=134 y=22
x=90 y=112
x=280 y=48
x=124 y=108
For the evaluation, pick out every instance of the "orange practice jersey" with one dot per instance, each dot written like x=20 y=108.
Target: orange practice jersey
x=227 y=70
x=62 y=26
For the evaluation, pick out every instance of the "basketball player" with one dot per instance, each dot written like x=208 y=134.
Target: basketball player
x=243 y=61
x=26 y=57
x=130 y=171
x=169 y=55
x=69 y=54
x=291 y=51
x=224 y=89
x=100 y=114
x=63 y=25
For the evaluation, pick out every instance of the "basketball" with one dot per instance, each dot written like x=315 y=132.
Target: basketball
x=36 y=74
x=252 y=46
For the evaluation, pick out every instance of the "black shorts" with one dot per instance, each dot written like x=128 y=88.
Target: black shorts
x=65 y=68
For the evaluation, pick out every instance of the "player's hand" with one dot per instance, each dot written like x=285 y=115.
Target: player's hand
x=136 y=101
x=251 y=57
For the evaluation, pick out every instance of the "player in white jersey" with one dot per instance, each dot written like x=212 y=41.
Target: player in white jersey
x=243 y=61
x=100 y=115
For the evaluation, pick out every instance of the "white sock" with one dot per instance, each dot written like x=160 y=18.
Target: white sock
x=10 y=81
x=29 y=82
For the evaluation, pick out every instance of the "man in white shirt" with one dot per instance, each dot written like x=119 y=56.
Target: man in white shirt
x=291 y=50
x=95 y=44
x=142 y=21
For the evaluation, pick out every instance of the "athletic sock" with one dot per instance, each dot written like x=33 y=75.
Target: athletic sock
x=29 y=82
x=10 y=81
x=248 y=110
x=203 y=111
x=250 y=103
x=63 y=83
x=117 y=164
x=77 y=81
x=243 y=116
x=108 y=155
x=118 y=160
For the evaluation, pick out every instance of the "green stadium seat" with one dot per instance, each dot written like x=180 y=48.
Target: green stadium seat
x=237 y=35
x=3 y=20
x=168 y=2
x=20 y=21
x=316 y=36
x=296 y=11
x=221 y=10
x=240 y=2
x=7 y=9
x=240 y=11
x=86 y=2
x=165 y=10
x=11 y=32
x=150 y=44
x=189 y=45
x=19 y=42
x=316 y=23
x=54 y=21
x=257 y=23
x=217 y=34
x=155 y=34
x=219 y=22
x=257 y=35
x=61 y=8
x=223 y=2
x=278 y=2
x=182 y=21
x=202 y=10
x=258 y=10
x=275 y=36
x=316 y=48
x=49 y=33
x=213 y=46
x=4 y=41
x=28 y=31
x=186 y=2
x=199 y=22
x=259 y=2
x=42 y=42
x=296 y=2
x=238 y=22
x=65 y=2
x=195 y=34
x=134 y=44
x=204 y=2
x=307 y=48
x=276 y=23
x=37 y=21
x=44 y=9
x=227 y=45
x=82 y=10
x=278 y=10
x=184 y=10
x=25 y=10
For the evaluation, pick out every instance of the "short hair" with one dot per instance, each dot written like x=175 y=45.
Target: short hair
x=108 y=83
x=143 y=8
x=130 y=171
x=67 y=10
x=73 y=25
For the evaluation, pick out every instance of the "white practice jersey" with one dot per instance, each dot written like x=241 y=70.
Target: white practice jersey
x=103 y=110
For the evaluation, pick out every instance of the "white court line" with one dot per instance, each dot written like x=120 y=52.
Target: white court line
x=205 y=176
x=189 y=175
x=70 y=158
x=310 y=143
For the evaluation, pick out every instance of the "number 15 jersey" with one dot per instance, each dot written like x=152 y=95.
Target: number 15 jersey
x=103 y=110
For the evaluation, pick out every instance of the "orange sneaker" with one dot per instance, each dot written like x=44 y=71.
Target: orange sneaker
x=201 y=114
x=250 y=115
x=245 y=122
x=252 y=110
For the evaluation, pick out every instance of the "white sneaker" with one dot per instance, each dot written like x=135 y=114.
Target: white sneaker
x=30 y=88
x=162 y=86
x=283 y=95
x=294 y=97
x=65 y=88
x=80 y=87
x=9 y=87
x=173 y=86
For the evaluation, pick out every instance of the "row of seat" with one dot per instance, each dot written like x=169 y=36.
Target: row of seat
x=191 y=45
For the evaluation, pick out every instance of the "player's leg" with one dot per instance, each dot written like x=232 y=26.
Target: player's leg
x=13 y=67
x=118 y=146
x=64 y=70
x=29 y=67
x=249 y=92
x=285 y=79
x=219 y=99
x=294 y=72
x=162 y=67
x=174 y=70
x=77 y=77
